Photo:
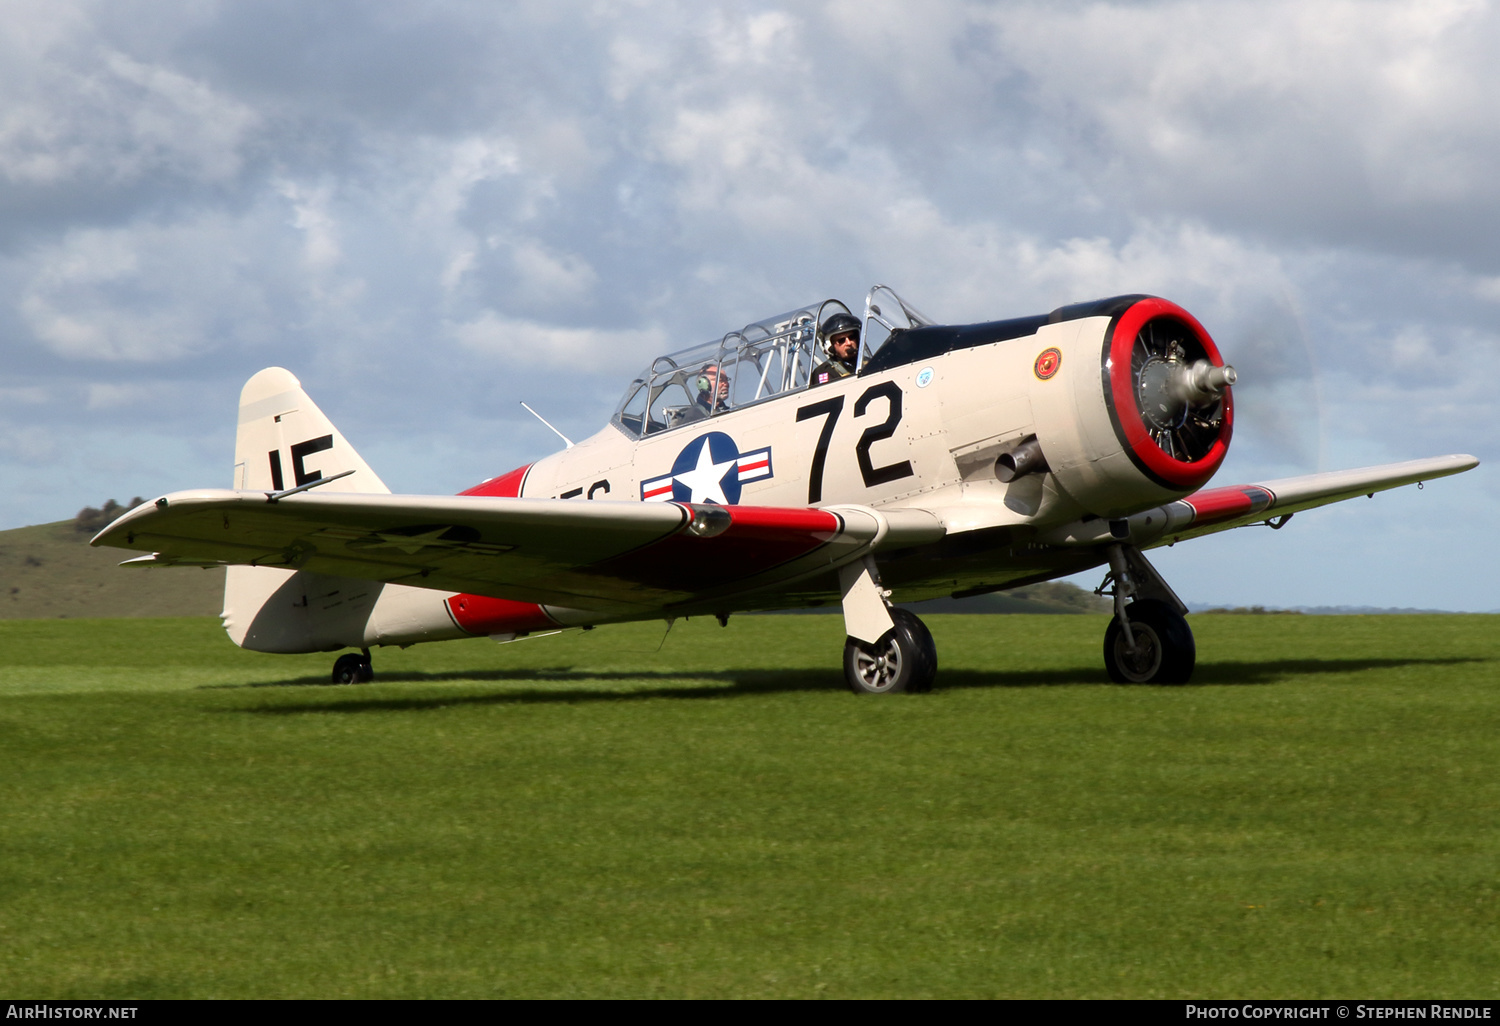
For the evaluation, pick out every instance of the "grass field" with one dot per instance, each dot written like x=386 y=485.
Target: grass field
x=609 y=814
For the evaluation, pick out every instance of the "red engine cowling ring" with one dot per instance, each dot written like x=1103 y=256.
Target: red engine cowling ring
x=1120 y=396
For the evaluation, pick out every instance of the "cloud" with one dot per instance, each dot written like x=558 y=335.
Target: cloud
x=586 y=351
x=321 y=252
x=1364 y=123
x=102 y=115
x=145 y=293
x=1488 y=288
x=30 y=445
x=28 y=396
x=103 y=395
x=551 y=276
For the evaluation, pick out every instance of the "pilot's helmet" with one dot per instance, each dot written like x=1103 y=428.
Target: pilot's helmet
x=713 y=385
x=838 y=324
x=708 y=377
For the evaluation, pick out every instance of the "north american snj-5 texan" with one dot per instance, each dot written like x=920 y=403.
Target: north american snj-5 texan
x=813 y=458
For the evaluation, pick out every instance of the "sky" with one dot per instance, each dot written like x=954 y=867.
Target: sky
x=429 y=212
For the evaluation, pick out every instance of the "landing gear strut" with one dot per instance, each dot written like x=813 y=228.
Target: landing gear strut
x=1149 y=640
x=353 y=669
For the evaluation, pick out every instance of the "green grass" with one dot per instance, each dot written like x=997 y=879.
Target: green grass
x=589 y=816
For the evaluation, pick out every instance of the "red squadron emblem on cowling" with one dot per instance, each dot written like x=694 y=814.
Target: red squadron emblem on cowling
x=1047 y=363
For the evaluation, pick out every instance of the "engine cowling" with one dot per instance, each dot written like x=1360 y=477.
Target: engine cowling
x=1132 y=403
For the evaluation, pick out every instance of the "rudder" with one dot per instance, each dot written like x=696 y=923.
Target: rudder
x=283 y=440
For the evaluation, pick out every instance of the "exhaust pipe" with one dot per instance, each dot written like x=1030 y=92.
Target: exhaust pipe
x=1024 y=459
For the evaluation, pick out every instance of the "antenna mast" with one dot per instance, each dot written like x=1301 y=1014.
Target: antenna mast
x=554 y=430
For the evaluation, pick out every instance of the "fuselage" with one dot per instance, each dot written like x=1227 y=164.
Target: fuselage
x=920 y=427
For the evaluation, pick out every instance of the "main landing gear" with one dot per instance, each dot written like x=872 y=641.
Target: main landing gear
x=350 y=668
x=1149 y=640
x=904 y=659
x=887 y=650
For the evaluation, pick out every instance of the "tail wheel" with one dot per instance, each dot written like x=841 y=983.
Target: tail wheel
x=353 y=668
x=1164 y=653
x=904 y=659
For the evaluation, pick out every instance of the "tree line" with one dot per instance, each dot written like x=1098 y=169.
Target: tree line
x=95 y=520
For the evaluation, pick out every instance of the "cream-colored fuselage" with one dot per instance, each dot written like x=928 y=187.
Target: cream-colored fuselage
x=921 y=435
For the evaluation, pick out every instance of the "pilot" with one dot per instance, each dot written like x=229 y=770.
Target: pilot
x=713 y=390
x=841 y=343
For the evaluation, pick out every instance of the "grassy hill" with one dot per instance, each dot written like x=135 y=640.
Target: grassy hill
x=1051 y=597
x=49 y=571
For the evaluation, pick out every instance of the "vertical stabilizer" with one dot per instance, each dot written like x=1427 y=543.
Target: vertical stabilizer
x=284 y=440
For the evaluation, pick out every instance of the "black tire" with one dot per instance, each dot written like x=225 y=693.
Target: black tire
x=1165 y=650
x=903 y=660
x=351 y=668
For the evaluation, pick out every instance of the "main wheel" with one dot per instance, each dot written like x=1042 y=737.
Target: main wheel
x=1164 y=649
x=904 y=659
x=351 y=668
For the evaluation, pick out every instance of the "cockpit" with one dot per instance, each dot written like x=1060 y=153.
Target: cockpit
x=759 y=362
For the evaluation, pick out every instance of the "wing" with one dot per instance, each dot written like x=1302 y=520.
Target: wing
x=1220 y=509
x=613 y=557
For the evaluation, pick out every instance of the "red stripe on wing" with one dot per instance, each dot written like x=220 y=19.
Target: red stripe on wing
x=480 y=614
x=757 y=539
x=1215 y=504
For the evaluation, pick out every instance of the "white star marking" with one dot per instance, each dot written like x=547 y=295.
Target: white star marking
x=705 y=482
x=410 y=544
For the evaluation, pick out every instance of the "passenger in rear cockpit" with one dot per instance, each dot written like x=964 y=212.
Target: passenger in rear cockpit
x=713 y=391
x=841 y=344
